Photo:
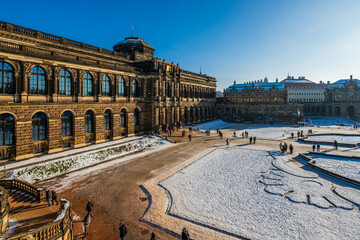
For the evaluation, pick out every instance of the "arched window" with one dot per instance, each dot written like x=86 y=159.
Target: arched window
x=105 y=86
x=136 y=117
x=66 y=123
x=121 y=86
x=123 y=118
x=65 y=83
x=37 y=81
x=89 y=121
x=87 y=85
x=39 y=126
x=107 y=119
x=134 y=91
x=6 y=78
x=7 y=127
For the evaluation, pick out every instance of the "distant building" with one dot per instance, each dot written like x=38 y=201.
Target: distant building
x=260 y=101
x=342 y=99
x=302 y=90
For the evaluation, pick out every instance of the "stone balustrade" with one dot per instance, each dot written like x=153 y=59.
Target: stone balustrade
x=4 y=210
x=25 y=187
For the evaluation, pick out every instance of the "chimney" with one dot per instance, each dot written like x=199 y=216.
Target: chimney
x=350 y=77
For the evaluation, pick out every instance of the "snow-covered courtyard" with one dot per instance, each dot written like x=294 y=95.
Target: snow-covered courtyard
x=332 y=122
x=263 y=131
x=251 y=194
x=346 y=167
x=329 y=138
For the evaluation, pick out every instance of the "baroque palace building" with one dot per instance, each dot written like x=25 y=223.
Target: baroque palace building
x=342 y=99
x=260 y=101
x=57 y=93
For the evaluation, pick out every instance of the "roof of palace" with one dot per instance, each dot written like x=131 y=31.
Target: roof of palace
x=341 y=83
x=259 y=85
x=134 y=41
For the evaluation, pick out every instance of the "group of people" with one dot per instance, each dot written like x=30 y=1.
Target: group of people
x=51 y=197
x=355 y=127
x=284 y=148
x=252 y=140
x=317 y=147
x=245 y=134
x=300 y=134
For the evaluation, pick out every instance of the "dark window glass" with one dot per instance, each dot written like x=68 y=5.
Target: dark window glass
x=89 y=121
x=6 y=78
x=136 y=117
x=87 y=85
x=105 y=86
x=7 y=127
x=37 y=81
x=66 y=124
x=121 y=90
x=65 y=83
x=134 y=88
x=107 y=120
x=39 y=126
x=123 y=118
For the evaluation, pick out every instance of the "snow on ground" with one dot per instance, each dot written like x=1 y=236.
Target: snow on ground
x=332 y=122
x=265 y=131
x=13 y=224
x=240 y=191
x=57 y=167
x=213 y=125
x=346 y=167
x=330 y=138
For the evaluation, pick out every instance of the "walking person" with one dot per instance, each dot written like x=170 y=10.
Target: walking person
x=243 y=134
x=89 y=207
x=54 y=197
x=227 y=142
x=153 y=237
x=250 y=140
x=335 y=145
x=190 y=137
x=123 y=231
x=280 y=145
x=185 y=234
x=234 y=134
x=313 y=147
x=291 y=149
x=318 y=148
x=254 y=140
x=48 y=197
x=292 y=135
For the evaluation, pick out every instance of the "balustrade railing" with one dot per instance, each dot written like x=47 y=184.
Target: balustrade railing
x=25 y=187
x=61 y=228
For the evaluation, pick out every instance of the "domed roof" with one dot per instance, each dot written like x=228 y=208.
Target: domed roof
x=133 y=41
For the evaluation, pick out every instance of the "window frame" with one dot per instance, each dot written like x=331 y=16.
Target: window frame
x=40 y=80
x=67 y=80
x=4 y=75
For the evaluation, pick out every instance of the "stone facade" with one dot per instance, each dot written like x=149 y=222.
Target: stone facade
x=341 y=100
x=46 y=79
x=259 y=101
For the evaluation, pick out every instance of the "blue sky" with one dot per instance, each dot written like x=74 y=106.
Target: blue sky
x=231 y=40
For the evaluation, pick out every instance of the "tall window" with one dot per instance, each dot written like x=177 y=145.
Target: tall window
x=6 y=78
x=65 y=83
x=39 y=126
x=123 y=118
x=37 y=81
x=89 y=121
x=87 y=85
x=134 y=89
x=167 y=89
x=105 y=86
x=66 y=123
x=136 y=117
x=121 y=86
x=107 y=120
x=7 y=127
